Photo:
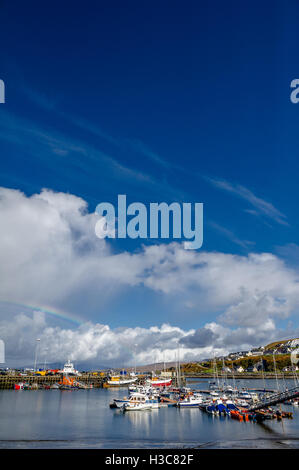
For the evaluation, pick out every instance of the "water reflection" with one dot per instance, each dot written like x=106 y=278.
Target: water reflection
x=83 y=418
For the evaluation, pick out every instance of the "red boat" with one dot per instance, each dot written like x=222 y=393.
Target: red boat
x=19 y=386
x=156 y=382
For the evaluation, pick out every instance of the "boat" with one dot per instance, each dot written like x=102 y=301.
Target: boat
x=119 y=402
x=231 y=406
x=68 y=369
x=83 y=386
x=55 y=387
x=19 y=386
x=151 y=397
x=212 y=409
x=244 y=395
x=236 y=414
x=118 y=381
x=190 y=401
x=137 y=402
x=221 y=408
x=159 y=382
x=242 y=403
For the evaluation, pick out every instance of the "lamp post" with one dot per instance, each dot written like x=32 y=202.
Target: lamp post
x=36 y=348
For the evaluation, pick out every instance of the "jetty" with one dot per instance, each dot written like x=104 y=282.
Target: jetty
x=9 y=381
x=275 y=399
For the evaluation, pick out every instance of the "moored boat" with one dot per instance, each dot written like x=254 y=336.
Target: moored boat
x=190 y=401
x=19 y=386
x=159 y=382
x=137 y=402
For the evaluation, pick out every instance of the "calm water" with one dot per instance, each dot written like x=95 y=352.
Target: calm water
x=83 y=419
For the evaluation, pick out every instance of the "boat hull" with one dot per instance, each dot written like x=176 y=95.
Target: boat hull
x=160 y=383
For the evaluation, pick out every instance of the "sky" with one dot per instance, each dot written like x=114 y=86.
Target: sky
x=163 y=102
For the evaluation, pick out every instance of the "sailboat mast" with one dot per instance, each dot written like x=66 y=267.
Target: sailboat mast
x=274 y=362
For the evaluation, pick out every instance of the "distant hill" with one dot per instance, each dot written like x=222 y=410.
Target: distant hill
x=283 y=343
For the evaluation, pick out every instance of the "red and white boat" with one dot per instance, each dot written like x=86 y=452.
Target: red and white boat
x=159 y=382
x=19 y=386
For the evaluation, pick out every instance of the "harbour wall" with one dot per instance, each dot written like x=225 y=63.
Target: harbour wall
x=8 y=381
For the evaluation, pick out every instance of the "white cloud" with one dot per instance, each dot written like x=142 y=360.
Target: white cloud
x=92 y=342
x=50 y=255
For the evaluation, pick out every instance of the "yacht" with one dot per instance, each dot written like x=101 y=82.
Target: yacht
x=138 y=401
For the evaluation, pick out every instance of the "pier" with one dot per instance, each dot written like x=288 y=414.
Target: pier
x=275 y=399
x=8 y=381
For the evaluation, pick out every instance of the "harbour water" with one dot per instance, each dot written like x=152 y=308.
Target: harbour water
x=83 y=419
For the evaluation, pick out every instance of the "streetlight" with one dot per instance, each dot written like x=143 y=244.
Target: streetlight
x=36 y=347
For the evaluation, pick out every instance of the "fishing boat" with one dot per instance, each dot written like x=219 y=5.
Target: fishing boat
x=68 y=369
x=159 y=382
x=19 y=386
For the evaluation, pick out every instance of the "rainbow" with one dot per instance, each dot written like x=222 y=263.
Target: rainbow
x=75 y=319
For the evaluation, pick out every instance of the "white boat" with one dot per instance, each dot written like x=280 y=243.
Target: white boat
x=244 y=395
x=117 y=381
x=138 y=388
x=119 y=402
x=242 y=403
x=69 y=369
x=151 y=400
x=137 y=402
x=190 y=401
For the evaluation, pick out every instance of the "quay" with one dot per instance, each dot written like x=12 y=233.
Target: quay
x=8 y=381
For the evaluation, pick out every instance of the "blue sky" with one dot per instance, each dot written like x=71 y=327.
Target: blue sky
x=162 y=102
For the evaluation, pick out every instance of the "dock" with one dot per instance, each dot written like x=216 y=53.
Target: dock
x=8 y=381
